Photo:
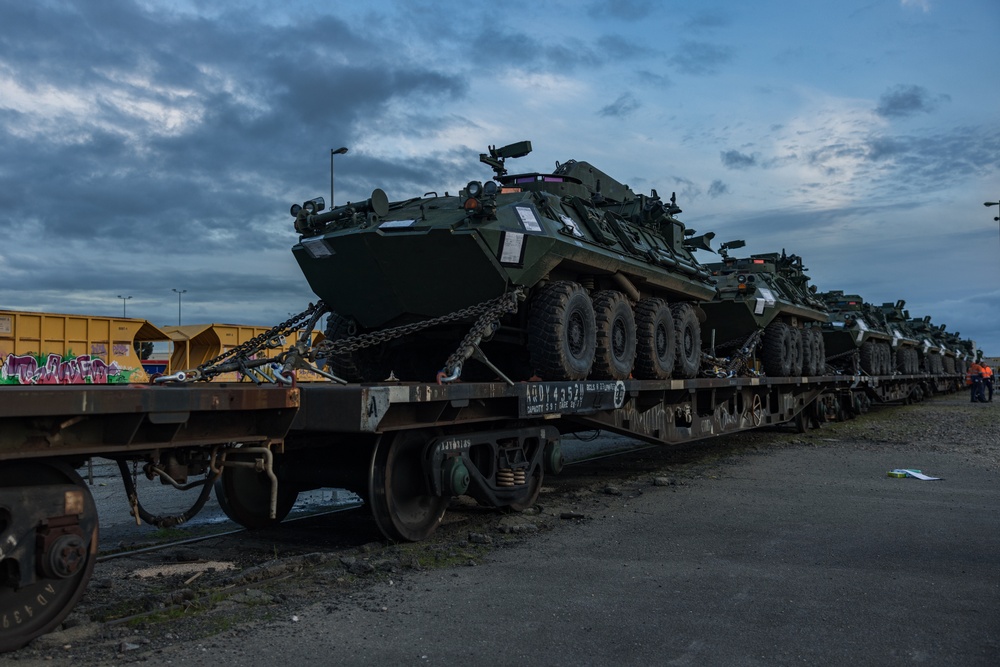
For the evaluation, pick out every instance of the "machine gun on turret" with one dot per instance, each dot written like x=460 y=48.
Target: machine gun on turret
x=498 y=156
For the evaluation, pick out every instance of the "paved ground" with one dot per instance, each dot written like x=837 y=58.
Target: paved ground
x=810 y=555
x=773 y=549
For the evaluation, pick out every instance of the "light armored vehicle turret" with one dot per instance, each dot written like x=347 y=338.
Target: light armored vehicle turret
x=609 y=277
x=765 y=301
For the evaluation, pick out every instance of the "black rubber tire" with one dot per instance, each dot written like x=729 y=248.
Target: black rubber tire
x=818 y=351
x=687 y=333
x=821 y=369
x=948 y=365
x=869 y=357
x=798 y=351
x=562 y=332
x=777 y=351
x=809 y=352
x=346 y=366
x=656 y=342
x=615 y=351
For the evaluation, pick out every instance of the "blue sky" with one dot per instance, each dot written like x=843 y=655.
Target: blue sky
x=149 y=146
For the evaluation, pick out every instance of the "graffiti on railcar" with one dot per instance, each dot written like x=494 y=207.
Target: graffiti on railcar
x=28 y=369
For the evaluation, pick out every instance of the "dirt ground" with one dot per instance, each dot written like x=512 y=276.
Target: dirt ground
x=763 y=548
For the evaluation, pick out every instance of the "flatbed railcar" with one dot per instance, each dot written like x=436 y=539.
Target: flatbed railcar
x=405 y=448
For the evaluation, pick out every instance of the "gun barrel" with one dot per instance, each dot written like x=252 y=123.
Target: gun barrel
x=378 y=203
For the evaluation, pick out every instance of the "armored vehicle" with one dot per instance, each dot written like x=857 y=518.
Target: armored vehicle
x=609 y=278
x=765 y=301
x=953 y=350
x=931 y=345
x=856 y=337
x=906 y=347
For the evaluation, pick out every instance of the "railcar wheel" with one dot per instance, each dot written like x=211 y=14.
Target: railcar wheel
x=778 y=351
x=801 y=421
x=687 y=331
x=244 y=494
x=615 y=352
x=398 y=493
x=757 y=410
x=562 y=332
x=656 y=342
x=48 y=557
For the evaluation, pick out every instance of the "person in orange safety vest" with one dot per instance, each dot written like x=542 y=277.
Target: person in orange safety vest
x=987 y=381
x=974 y=378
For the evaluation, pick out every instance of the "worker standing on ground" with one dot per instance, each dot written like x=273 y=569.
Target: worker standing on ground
x=987 y=381
x=974 y=378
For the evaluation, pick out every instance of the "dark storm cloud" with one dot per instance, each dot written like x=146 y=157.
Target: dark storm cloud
x=902 y=100
x=736 y=160
x=700 y=58
x=516 y=49
x=257 y=99
x=717 y=189
x=621 y=107
x=144 y=138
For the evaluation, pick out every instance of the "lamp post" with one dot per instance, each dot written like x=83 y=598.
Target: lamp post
x=179 y=292
x=124 y=300
x=338 y=151
x=992 y=203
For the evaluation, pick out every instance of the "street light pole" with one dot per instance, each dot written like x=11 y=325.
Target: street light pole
x=179 y=292
x=124 y=299
x=339 y=151
x=992 y=203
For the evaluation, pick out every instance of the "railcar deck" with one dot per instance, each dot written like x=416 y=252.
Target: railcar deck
x=405 y=448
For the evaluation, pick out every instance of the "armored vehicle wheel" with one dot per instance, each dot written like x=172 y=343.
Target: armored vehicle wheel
x=615 y=351
x=948 y=365
x=656 y=342
x=244 y=494
x=798 y=351
x=778 y=351
x=398 y=493
x=346 y=365
x=48 y=529
x=562 y=332
x=809 y=352
x=868 y=358
x=819 y=352
x=822 y=352
x=687 y=330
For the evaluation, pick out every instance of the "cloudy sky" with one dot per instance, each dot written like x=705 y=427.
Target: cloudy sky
x=148 y=145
